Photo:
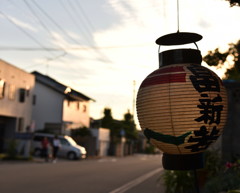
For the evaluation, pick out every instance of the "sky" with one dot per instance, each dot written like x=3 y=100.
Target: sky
x=105 y=48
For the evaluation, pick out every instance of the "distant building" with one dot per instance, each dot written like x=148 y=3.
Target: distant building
x=16 y=93
x=58 y=107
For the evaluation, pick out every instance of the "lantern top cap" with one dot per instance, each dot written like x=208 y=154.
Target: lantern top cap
x=178 y=38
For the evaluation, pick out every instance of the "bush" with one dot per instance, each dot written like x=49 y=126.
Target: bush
x=149 y=149
x=228 y=179
x=220 y=177
x=84 y=131
x=179 y=181
x=12 y=149
x=225 y=181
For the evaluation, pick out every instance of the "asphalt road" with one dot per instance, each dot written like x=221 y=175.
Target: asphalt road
x=132 y=174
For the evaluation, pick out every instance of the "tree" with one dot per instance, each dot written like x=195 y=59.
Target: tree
x=129 y=126
x=117 y=127
x=234 y=2
x=215 y=58
x=107 y=120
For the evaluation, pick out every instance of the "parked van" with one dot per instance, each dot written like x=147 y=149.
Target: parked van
x=69 y=148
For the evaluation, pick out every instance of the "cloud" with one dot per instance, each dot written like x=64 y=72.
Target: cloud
x=128 y=42
x=22 y=24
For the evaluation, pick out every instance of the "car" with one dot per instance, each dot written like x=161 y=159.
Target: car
x=69 y=148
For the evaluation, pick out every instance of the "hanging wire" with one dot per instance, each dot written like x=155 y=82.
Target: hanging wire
x=178 y=15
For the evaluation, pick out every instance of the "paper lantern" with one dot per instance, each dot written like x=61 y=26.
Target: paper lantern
x=182 y=108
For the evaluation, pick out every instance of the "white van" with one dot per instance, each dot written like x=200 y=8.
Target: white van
x=69 y=148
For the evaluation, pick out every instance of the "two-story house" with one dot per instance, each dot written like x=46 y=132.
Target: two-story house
x=16 y=91
x=58 y=107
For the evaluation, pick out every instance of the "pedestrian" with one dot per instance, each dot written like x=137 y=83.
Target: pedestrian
x=45 y=146
x=56 y=145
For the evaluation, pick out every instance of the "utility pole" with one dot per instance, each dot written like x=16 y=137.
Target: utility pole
x=134 y=101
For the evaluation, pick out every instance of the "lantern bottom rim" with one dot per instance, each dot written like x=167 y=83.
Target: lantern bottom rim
x=182 y=161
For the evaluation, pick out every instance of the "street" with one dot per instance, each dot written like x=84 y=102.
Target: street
x=131 y=174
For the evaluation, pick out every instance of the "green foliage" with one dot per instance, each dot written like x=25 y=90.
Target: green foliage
x=224 y=181
x=107 y=120
x=12 y=153
x=215 y=58
x=179 y=181
x=212 y=163
x=221 y=178
x=234 y=2
x=129 y=126
x=12 y=150
x=83 y=131
x=116 y=127
x=184 y=181
x=150 y=149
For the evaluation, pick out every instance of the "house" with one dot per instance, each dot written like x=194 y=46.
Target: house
x=16 y=93
x=58 y=107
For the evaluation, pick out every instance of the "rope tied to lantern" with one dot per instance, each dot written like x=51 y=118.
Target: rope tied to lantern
x=181 y=106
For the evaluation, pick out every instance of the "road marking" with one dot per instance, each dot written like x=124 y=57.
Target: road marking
x=107 y=160
x=135 y=182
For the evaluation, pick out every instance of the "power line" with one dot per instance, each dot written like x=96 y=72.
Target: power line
x=58 y=26
x=31 y=37
x=7 y=48
x=25 y=32
x=42 y=24
x=77 y=13
x=84 y=14
x=87 y=29
x=69 y=13
x=54 y=22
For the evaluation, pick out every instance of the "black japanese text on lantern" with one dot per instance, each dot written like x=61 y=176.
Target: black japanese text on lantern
x=208 y=87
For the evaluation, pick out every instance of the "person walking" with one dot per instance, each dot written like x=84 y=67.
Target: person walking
x=45 y=146
x=56 y=145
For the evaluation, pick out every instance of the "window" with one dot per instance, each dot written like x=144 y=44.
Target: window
x=64 y=142
x=78 y=105
x=12 y=91
x=27 y=92
x=84 y=108
x=27 y=89
x=22 y=93
x=2 y=88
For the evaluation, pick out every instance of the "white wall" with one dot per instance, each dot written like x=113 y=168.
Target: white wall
x=76 y=112
x=15 y=79
x=103 y=140
x=48 y=107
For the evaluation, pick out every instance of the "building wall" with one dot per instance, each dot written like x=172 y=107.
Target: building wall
x=231 y=133
x=17 y=83
x=103 y=140
x=76 y=112
x=48 y=106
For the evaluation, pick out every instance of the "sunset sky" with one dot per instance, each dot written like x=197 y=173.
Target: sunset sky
x=99 y=47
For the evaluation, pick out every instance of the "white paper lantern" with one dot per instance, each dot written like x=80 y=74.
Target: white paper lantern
x=182 y=106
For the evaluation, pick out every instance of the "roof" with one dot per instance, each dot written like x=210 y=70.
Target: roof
x=70 y=93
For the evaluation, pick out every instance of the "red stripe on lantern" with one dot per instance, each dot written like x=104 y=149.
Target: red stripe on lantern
x=163 y=79
x=168 y=70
